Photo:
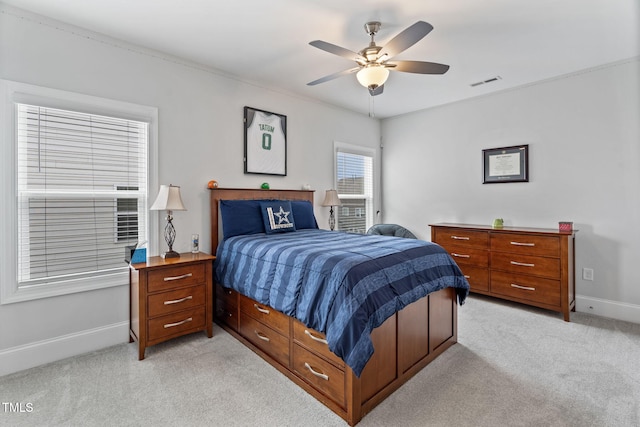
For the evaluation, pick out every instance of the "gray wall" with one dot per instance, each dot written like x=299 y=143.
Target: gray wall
x=200 y=137
x=583 y=132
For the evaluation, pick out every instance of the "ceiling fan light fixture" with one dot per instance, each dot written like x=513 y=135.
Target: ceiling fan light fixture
x=372 y=76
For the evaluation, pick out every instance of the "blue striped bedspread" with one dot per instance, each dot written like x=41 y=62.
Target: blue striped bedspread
x=343 y=285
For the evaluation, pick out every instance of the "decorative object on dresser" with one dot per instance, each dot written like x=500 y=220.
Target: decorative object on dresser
x=404 y=344
x=506 y=164
x=534 y=266
x=169 y=200
x=170 y=297
x=331 y=199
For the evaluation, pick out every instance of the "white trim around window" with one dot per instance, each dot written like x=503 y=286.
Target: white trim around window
x=12 y=93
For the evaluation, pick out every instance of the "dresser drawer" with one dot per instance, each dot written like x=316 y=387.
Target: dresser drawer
x=266 y=339
x=315 y=341
x=321 y=374
x=180 y=299
x=176 y=323
x=265 y=314
x=176 y=276
x=524 y=264
x=458 y=236
x=525 y=244
x=536 y=289
x=478 y=278
x=467 y=255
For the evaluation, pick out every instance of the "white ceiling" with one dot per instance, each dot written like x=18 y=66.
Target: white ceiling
x=266 y=41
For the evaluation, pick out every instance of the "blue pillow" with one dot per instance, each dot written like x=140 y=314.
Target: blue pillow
x=277 y=216
x=303 y=214
x=240 y=217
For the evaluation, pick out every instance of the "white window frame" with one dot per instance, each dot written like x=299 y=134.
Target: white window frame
x=14 y=92
x=373 y=198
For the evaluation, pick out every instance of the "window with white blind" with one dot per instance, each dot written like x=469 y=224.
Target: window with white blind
x=81 y=184
x=355 y=186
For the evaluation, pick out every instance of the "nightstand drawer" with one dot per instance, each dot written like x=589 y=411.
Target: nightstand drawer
x=525 y=287
x=315 y=341
x=524 y=264
x=265 y=314
x=175 y=276
x=180 y=299
x=321 y=374
x=548 y=246
x=265 y=338
x=176 y=323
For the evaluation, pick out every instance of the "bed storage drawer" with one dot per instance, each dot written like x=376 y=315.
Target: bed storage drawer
x=227 y=306
x=265 y=338
x=314 y=341
x=322 y=375
x=265 y=314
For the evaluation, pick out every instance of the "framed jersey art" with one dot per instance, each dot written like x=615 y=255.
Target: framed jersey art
x=265 y=142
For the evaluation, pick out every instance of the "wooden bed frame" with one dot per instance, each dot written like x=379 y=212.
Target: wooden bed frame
x=404 y=344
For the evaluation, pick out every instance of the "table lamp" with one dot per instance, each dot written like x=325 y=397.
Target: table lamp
x=169 y=200
x=331 y=199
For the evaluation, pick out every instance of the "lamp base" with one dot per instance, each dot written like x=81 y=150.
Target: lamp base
x=171 y=254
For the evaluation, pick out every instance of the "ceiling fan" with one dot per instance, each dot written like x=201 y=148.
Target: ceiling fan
x=373 y=62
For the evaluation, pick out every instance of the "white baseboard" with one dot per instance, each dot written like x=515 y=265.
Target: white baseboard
x=38 y=353
x=606 y=308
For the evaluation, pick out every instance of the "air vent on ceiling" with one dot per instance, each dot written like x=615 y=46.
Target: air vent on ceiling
x=492 y=79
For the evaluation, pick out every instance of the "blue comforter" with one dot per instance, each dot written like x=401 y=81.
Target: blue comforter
x=343 y=285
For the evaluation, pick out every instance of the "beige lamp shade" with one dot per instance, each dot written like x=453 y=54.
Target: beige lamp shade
x=331 y=199
x=168 y=199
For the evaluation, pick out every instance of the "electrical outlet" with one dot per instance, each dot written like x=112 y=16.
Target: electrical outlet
x=587 y=274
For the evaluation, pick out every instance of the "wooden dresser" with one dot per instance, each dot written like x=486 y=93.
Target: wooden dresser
x=169 y=298
x=532 y=266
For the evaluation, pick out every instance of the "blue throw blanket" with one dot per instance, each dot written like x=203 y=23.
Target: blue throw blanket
x=343 y=285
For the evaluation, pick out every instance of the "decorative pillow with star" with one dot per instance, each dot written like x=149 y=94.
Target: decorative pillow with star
x=277 y=216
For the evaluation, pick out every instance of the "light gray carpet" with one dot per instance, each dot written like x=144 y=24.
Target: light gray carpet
x=512 y=366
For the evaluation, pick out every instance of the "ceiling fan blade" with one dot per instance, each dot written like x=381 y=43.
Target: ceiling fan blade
x=333 y=76
x=336 y=50
x=376 y=91
x=418 y=67
x=405 y=39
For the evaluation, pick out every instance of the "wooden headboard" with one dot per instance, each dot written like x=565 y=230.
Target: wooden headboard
x=217 y=194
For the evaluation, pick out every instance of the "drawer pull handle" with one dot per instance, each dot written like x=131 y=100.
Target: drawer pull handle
x=228 y=291
x=171 y=325
x=262 y=336
x=176 y=301
x=184 y=276
x=460 y=255
x=522 y=244
x=522 y=264
x=467 y=277
x=260 y=309
x=315 y=338
x=459 y=238
x=526 y=288
x=316 y=373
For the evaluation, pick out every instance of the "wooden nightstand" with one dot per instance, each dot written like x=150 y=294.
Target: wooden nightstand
x=170 y=298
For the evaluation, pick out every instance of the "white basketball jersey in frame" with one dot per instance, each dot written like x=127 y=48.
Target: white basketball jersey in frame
x=266 y=145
